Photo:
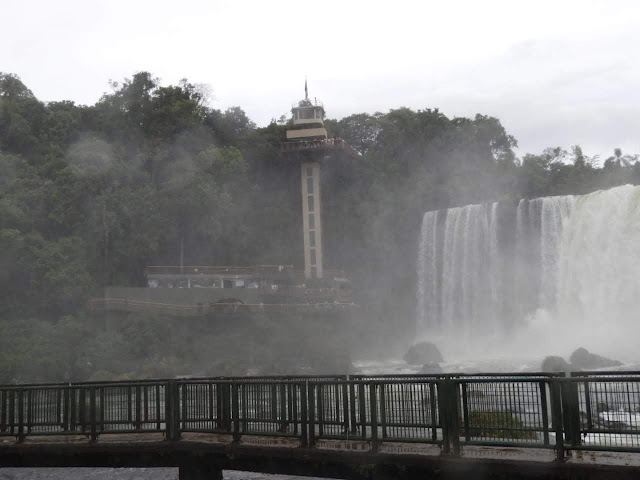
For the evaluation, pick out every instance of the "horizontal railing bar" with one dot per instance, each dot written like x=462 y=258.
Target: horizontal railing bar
x=409 y=425
x=506 y=429
x=613 y=431
x=426 y=440
x=376 y=382
x=537 y=444
x=253 y=433
x=78 y=386
x=611 y=379
x=459 y=375
x=534 y=380
x=206 y=430
x=605 y=448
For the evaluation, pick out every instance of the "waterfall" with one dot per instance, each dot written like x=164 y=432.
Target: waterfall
x=458 y=281
x=427 y=268
x=598 y=274
x=485 y=269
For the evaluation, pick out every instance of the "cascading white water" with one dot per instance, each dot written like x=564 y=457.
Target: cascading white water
x=450 y=278
x=599 y=258
x=567 y=263
x=427 y=267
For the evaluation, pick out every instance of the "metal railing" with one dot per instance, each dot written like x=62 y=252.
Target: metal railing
x=200 y=309
x=582 y=412
x=317 y=144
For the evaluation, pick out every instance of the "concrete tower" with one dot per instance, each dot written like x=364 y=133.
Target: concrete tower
x=309 y=145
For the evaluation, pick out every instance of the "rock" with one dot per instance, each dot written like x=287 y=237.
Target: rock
x=554 y=364
x=582 y=359
x=431 y=368
x=423 y=352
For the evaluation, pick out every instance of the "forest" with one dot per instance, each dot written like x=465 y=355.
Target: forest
x=91 y=194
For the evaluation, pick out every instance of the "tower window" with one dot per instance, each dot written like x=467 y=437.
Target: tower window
x=311 y=204
x=312 y=221
x=312 y=238
x=313 y=256
x=306 y=114
x=309 y=172
x=310 y=185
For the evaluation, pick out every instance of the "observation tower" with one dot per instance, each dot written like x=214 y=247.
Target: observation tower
x=309 y=146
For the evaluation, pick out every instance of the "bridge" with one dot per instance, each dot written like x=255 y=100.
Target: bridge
x=533 y=425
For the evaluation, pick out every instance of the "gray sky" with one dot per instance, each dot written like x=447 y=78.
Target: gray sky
x=555 y=72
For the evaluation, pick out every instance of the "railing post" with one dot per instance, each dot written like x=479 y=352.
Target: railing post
x=345 y=405
x=433 y=408
x=172 y=410
x=304 y=432
x=542 y=386
x=352 y=403
x=448 y=408
x=219 y=406
x=82 y=409
x=138 y=422
x=235 y=411
x=557 y=417
x=273 y=397
x=92 y=413
x=455 y=416
x=374 y=416
x=283 y=405
x=12 y=411
x=587 y=404
x=320 y=408
x=29 y=410
x=383 y=412
x=102 y=407
x=66 y=399
x=443 y=413
x=571 y=412
x=311 y=414
x=73 y=409
x=3 y=410
x=465 y=412
x=363 y=411
x=20 y=415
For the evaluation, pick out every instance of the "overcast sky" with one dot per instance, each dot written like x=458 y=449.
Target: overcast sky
x=555 y=72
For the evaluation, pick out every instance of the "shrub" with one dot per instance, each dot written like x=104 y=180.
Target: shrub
x=499 y=425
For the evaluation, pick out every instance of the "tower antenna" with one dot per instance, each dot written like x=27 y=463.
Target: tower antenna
x=306 y=90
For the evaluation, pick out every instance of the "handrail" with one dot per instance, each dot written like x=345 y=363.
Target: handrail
x=451 y=411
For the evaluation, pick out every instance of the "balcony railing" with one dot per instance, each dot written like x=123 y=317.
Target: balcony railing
x=217 y=270
x=306 y=145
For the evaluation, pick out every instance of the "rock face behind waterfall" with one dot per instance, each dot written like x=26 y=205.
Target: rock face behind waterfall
x=582 y=359
x=423 y=353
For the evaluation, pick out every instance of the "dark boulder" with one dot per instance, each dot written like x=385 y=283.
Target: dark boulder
x=583 y=359
x=555 y=364
x=423 y=352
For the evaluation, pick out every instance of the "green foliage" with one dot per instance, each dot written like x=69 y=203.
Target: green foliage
x=499 y=425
